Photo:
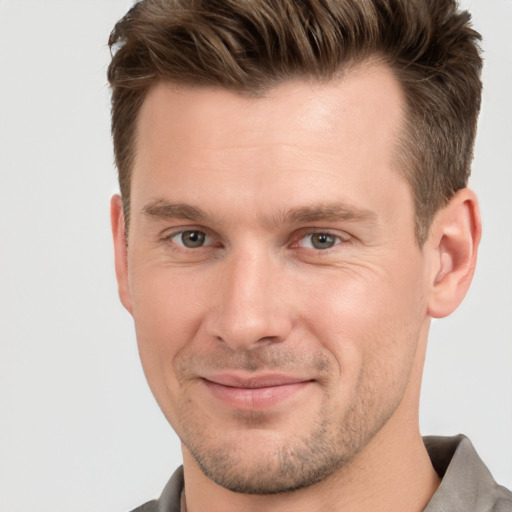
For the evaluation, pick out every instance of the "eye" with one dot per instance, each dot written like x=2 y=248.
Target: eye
x=191 y=239
x=319 y=241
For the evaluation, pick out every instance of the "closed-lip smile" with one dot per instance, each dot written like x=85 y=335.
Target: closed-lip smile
x=254 y=392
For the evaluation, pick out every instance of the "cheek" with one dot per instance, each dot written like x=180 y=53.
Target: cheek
x=167 y=312
x=367 y=319
x=165 y=304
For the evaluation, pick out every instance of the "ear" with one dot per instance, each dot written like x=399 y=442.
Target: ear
x=453 y=242
x=120 y=251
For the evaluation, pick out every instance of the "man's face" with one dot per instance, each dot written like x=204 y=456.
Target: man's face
x=273 y=274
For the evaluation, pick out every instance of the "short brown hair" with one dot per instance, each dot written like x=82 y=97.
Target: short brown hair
x=248 y=46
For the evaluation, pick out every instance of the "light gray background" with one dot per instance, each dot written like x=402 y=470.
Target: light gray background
x=79 y=430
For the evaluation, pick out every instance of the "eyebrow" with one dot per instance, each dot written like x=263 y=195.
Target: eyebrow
x=331 y=212
x=328 y=212
x=165 y=210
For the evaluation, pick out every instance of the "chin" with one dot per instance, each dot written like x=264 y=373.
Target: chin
x=263 y=466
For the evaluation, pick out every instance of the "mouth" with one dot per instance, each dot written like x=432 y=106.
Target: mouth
x=256 y=392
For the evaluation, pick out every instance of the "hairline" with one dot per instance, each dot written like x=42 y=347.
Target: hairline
x=403 y=156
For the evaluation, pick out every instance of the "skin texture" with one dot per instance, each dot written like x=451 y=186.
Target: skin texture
x=285 y=344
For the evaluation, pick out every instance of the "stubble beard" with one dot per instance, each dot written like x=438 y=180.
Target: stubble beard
x=301 y=460
x=297 y=464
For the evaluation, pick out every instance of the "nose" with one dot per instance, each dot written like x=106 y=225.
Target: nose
x=251 y=307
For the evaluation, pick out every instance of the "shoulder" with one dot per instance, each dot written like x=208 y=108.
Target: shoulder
x=170 y=499
x=467 y=485
x=503 y=500
x=150 y=506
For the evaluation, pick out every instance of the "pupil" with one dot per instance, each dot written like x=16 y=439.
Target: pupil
x=192 y=238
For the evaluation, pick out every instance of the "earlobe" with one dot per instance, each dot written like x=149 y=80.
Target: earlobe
x=120 y=250
x=453 y=242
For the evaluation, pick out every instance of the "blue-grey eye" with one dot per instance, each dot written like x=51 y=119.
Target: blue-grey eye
x=319 y=241
x=323 y=240
x=192 y=239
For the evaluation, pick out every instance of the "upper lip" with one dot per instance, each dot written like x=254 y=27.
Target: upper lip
x=255 y=381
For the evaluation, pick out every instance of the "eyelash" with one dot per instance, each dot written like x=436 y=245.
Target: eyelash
x=338 y=239
x=169 y=238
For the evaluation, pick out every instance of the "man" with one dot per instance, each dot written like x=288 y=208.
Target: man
x=293 y=213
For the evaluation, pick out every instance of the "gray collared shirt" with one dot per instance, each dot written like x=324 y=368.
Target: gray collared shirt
x=466 y=486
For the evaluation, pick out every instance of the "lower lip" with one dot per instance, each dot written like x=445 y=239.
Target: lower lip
x=254 y=398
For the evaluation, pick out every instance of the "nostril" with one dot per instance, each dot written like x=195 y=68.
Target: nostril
x=248 y=343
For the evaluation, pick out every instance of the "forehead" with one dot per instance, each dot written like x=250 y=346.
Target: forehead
x=298 y=141
x=366 y=91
